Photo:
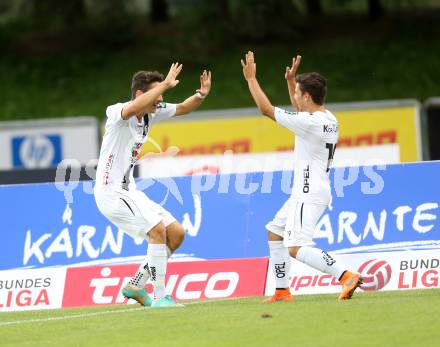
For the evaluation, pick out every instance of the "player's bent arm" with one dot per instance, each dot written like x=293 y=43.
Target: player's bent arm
x=190 y=104
x=144 y=101
x=291 y=85
x=262 y=101
x=194 y=101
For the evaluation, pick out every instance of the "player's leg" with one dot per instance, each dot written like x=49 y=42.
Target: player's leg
x=279 y=255
x=300 y=242
x=122 y=211
x=154 y=264
x=157 y=259
x=154 y=268
x=162 y=245
x=175 y=235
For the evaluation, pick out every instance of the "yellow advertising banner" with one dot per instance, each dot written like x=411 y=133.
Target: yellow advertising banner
x=360 y=127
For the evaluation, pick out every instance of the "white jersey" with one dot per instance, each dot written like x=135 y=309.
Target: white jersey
x=315 y=144
x=122 y=143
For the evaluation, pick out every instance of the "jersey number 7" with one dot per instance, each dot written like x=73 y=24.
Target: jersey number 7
x=331 y=152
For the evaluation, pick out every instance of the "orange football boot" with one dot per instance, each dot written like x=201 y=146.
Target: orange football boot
x=280 y=295
x=350 y=282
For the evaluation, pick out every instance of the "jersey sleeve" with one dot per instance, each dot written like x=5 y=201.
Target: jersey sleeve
x=164 y=111
x=114 y=114
x=298 y=122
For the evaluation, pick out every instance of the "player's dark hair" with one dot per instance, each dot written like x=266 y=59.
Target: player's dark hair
x=315 y=84
x=142 y=79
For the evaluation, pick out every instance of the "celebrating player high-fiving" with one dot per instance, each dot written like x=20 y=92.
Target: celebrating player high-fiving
x=291 y=231
x=126 y=130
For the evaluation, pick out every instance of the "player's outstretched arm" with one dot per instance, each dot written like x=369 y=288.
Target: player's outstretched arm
x=249 y=72
x=147 y=99
x=169 y=152
x=194 y=101
x=291 y=82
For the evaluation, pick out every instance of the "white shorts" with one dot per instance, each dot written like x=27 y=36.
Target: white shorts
x=296 y=222
x=131 y=211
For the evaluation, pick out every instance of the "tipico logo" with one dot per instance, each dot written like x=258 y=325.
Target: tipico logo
x=376 y=274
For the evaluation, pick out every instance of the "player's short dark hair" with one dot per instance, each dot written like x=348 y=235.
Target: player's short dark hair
x=315 y=84
x=142 y=79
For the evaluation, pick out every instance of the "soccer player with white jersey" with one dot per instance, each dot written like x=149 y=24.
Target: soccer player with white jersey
x=116 y=196
x=316 y=129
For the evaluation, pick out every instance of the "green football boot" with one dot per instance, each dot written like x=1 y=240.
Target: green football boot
x=136 y=293
x=166 y=301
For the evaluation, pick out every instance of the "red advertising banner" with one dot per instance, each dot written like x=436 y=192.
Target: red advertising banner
x=381 y=271
x=215 y=279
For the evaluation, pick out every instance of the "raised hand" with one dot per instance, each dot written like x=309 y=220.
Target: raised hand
x=291 y=71
x=249 y=68
x=171 y=80
x=205 y=83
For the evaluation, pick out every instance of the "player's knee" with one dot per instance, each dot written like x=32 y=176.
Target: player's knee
x=180 y=233
x=293 y=251
x=273 y=237
x=175 y=235
x=157 y=234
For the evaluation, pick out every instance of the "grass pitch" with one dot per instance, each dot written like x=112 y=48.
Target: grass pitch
x=404 y=318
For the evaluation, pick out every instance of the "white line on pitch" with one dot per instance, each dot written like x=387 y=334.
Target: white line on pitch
x=84 y=315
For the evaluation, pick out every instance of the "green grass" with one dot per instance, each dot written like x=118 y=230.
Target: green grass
x=405 y=318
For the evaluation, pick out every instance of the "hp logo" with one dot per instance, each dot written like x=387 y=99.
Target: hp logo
x=36 y=151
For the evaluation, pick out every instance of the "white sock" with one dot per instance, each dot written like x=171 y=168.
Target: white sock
x=142 y=275
x=280 y=262
x=157 y=267
x=319 y=260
